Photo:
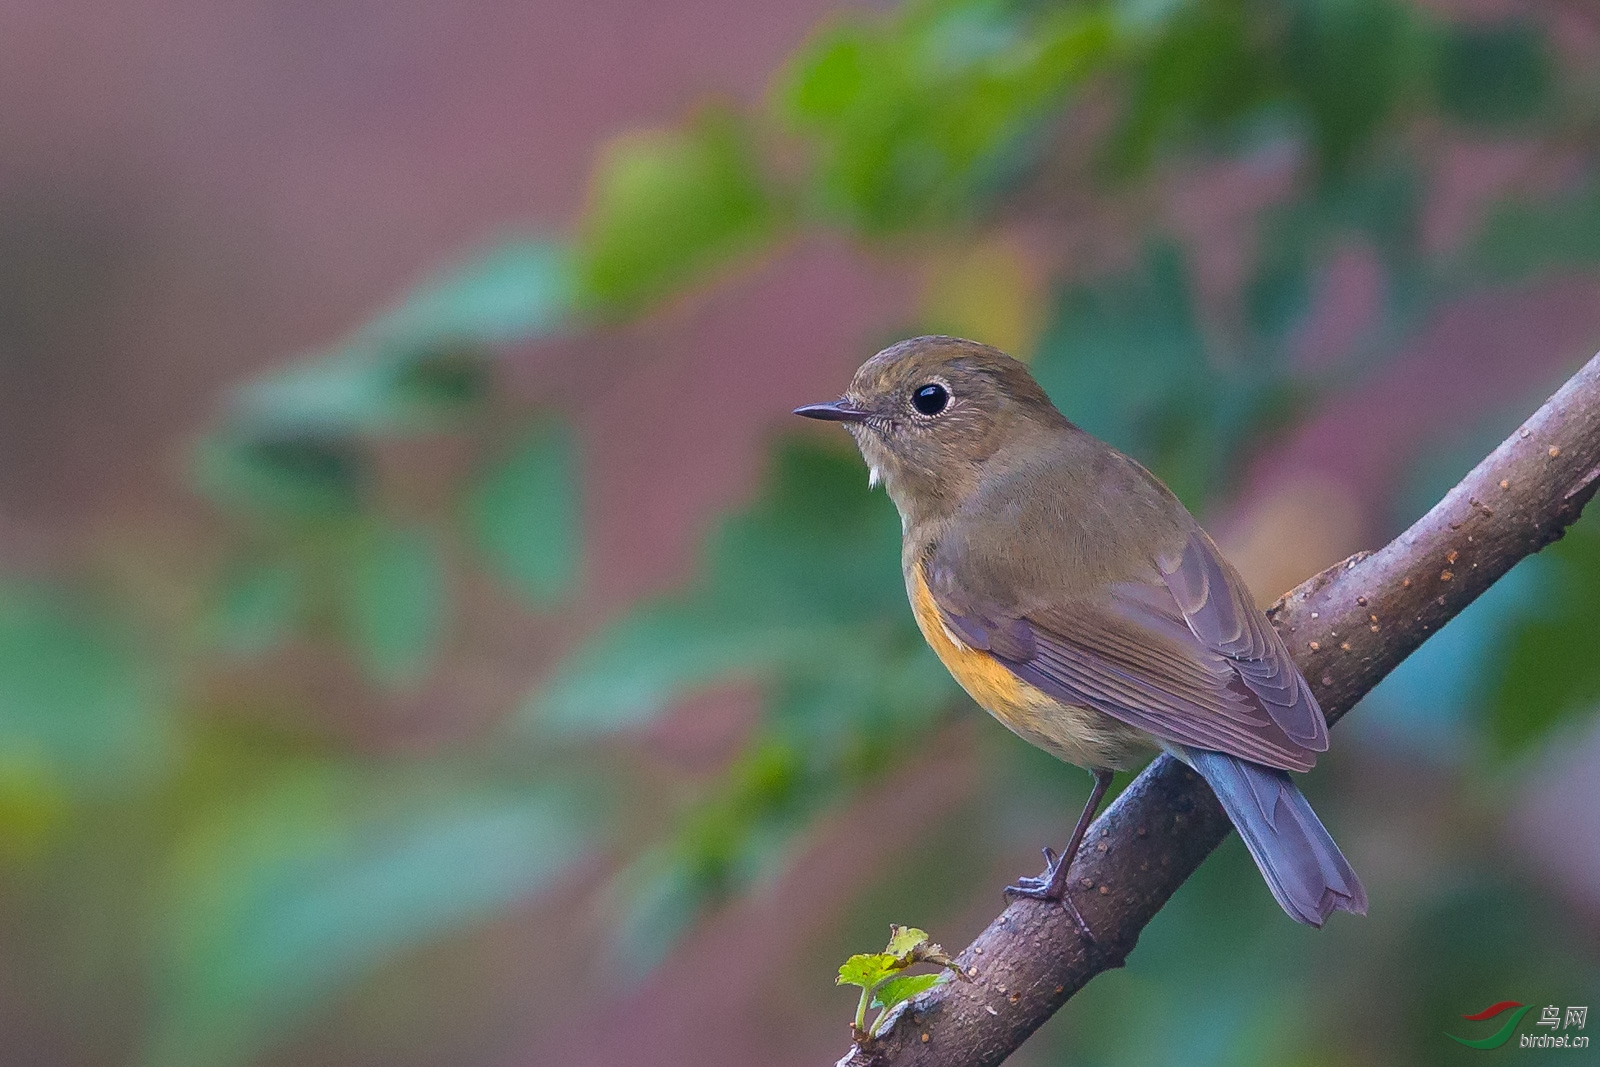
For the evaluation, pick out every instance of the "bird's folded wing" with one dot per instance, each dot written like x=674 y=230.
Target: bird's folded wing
x=1147 y=659
x=1218 y=609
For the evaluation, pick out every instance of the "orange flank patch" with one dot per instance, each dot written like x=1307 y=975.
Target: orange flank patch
x=1075 y=734
x=996 y=689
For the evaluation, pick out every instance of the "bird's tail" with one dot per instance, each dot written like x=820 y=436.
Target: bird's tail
x=1305 y=870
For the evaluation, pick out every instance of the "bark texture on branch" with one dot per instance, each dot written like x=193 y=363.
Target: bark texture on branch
x=1347 y=628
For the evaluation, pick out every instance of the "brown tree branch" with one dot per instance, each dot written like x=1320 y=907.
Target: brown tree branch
x=1347 y=628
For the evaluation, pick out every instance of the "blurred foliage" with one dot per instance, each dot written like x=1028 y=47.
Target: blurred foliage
x=80 y=709
x=1523 y=240
x=943 y=119
x=914 y=118
x=395 y=601
x=1338 y=70
x=1513 y=668
x=793 y=590
x=523 y=514
x=1497 y=75
x=276 y=897
x=1545 y=671
x=672 y=203
x=427 y=362
x=1127 y=359
x=800 y=592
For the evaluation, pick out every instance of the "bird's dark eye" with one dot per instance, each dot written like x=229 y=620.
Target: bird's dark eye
x=930 y=399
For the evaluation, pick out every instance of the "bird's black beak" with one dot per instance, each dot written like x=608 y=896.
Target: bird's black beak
x=837 y=411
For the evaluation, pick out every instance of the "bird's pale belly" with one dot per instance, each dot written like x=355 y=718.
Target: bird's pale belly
x=1078 y=735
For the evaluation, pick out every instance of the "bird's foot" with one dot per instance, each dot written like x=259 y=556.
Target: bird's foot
x=1037 y=888
x=1051 y=887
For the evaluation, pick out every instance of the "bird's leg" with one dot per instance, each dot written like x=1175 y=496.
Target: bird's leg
x=1052 y=885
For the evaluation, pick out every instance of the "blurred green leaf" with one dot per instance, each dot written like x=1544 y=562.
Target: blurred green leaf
x=523 y=513
x=720 y=844
x=1547 y=671
x=845 y=721
x=79 y=709
x=1382 y=203
x=434 y=383
x=297 y=478
x=1347 y=64
x=395 y=601
x=1126 y=359
x=1378 y=207
x=424 y=363
x=724 y=838
x=1522 y=240
x=639 y=666
x=366 y=390
x=515 y=291
x=1493 y=75
x=1125 y=350
x=669 y=205
x=801 y=592
x=1278 y=298
x=805 y=580
x=1336 y=69
x=915 y=114
x=277 y=902
x=257 y=603
x=897 y=990
x=1201 y=72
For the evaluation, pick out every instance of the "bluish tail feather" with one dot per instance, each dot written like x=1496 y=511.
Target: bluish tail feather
x=1305 y=870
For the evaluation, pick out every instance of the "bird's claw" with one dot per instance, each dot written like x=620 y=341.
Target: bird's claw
x=1044 y=888
x=1035 y=888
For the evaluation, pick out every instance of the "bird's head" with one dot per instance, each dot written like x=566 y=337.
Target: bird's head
x=930 y=412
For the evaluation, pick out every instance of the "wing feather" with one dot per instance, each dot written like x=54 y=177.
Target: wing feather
x=1187 y=657
x=1219 y=612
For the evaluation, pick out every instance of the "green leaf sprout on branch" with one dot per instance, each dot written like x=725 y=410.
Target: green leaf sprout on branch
x=881 y=978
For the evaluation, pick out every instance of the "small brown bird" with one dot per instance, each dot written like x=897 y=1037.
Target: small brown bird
x=1078 y=602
